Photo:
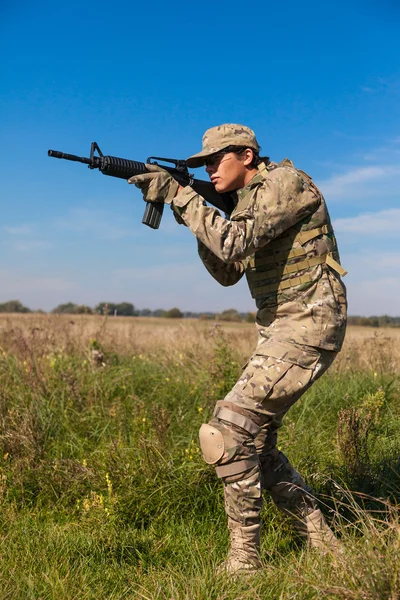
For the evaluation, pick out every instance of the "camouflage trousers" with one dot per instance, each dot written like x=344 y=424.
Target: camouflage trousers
x=245 y=425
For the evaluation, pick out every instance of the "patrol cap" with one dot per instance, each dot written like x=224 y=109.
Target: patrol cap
x=220 y=137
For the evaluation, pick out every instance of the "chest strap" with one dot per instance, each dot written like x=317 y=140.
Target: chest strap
x=305 y=236
x=286 y=243
x=295 y=281
x=276 y=255
x=299 y=266
x=331 y=262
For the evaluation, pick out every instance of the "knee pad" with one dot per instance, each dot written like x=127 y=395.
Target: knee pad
x=225 y=443
x=211 y=443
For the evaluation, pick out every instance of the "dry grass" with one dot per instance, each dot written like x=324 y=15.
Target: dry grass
x=126 y=336
x=365 y=348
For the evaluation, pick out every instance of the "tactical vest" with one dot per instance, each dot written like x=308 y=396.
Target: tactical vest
x=290 y=260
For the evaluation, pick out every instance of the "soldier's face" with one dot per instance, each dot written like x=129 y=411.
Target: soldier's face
x=229 y=172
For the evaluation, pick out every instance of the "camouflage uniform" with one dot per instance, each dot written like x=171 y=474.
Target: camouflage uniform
x=280 y=236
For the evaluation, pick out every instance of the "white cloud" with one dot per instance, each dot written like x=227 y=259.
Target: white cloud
x=189 y=286
x=18 y=230
x=358 y=182
x=373 y=282
x=13 y=284
x=386 y=153
x=29 y=245
x=374 y=296
x=172 y=272
x=389 y=260
x=104 y=224
x=384 y=222
x=363 y=264
x=20 y=239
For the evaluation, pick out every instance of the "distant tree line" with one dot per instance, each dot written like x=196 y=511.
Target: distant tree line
x=14 y=306
x=382 y=321
x=127 y=309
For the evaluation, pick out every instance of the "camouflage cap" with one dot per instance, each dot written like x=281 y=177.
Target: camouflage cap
x=220 y=137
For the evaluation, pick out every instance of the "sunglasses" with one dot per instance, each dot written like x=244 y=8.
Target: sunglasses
x=215 y=159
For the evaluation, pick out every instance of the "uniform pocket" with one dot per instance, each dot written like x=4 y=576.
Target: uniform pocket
x=296 y=354
x=277 y=374
x=281 y=373
x=266 y=373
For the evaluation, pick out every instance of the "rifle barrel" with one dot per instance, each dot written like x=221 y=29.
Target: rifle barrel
x=73 y=157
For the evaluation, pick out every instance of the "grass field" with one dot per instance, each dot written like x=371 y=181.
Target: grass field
x=103 y=491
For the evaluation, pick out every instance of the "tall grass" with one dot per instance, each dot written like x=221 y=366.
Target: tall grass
x=103 y=491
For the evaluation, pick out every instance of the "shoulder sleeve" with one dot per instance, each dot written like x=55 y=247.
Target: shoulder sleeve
x=283 y=200
x=264 y=212
x=225 y=274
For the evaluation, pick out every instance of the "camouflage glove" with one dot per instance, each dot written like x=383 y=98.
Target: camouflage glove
x=156 y=186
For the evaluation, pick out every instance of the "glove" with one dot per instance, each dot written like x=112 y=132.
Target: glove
x=156 y=186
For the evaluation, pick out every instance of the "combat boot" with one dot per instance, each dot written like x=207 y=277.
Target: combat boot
x=244 y=549
x=319 y=535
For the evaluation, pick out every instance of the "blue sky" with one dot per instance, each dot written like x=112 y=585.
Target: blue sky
x=318 y=82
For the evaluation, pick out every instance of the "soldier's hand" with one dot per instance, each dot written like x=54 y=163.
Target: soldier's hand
x=157 y=185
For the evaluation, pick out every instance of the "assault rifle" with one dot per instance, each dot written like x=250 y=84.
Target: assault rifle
x=124 y=168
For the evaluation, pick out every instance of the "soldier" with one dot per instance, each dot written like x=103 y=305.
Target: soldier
x=280 y=236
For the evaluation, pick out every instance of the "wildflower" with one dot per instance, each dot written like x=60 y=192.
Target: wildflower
x=144 y=419
x=200 y=409
x=167 y=379
x=109 y=484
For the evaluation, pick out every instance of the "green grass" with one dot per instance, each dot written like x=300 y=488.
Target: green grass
x=104 y=494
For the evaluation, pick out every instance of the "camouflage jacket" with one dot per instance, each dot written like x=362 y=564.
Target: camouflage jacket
x=280 y=236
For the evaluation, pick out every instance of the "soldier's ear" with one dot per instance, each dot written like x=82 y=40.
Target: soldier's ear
x=248 y=157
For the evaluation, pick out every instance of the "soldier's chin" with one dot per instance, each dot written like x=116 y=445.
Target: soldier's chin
x=220 y=187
